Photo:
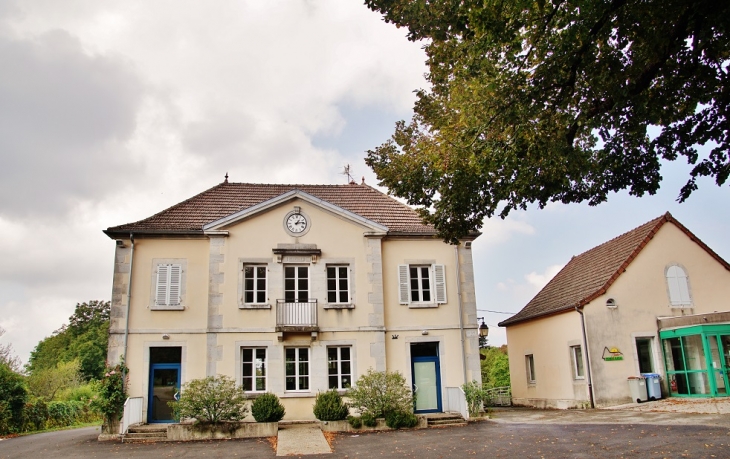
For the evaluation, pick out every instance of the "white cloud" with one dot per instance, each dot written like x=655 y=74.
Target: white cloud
x=539 y=280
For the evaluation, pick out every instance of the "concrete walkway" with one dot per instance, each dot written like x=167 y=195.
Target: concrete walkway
x=301 y=439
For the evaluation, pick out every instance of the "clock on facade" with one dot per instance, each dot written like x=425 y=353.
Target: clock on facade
x=296 y=222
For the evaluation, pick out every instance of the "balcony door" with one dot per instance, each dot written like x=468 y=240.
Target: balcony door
x=296 y=283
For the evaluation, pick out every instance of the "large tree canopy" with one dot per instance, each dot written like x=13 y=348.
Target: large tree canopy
x=569 y=100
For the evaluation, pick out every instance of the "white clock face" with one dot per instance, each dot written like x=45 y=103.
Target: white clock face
x=296 y=223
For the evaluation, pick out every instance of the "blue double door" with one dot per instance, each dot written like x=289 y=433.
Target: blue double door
x=426 y=374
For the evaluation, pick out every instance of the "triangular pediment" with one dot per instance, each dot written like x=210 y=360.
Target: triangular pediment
x=227 y=221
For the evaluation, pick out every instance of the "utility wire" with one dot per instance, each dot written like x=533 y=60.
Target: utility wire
x=496 y=312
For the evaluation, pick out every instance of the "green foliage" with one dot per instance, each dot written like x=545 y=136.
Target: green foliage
x=84 y=339
x=379 y=393
x=267 y=408
x=111 y=394
x=400 y=419
x=475 y=396
x=35 y=414
x=538 y=102
x=495 y=367
x=46 y=382
x=369 y=420
x=328 y=406
x=212 y=399
x=355 y=421
x=7 y=356
x=13 y=396
x=81 y=393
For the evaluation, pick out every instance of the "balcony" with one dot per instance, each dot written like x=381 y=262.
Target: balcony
x=296 y=316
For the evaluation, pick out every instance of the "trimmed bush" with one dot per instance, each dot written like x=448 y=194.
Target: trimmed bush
x=399 y=419
x=381 y=392
x=354 y=421
x=267 y=408
x=212 y=399
x=35 y=414
x=62 y=414
x=368 y=420
x=328 y=406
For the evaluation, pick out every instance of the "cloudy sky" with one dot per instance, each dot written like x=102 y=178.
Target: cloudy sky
x=112 y=111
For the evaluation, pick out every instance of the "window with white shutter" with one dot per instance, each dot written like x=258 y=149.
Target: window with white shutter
x=169 y=285
x=422 y=285
x=678 y=287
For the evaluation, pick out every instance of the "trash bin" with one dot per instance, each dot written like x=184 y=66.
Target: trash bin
x=653 y=387
x=637 y=386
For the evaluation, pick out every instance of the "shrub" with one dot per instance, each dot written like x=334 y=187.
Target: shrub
x=267 y=408
x=62 y=414
x=212 y=399
x=475 y=396
x=368 y=420
x=13 y=396
x=328 y=406
x=355 y=421
x=398 y=419
x=380 y=392
x=111 y=394
x=35 y=414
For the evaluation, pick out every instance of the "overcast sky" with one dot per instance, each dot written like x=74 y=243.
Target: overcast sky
x=112 y=111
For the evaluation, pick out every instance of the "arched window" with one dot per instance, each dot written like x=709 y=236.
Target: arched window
x=678 y=287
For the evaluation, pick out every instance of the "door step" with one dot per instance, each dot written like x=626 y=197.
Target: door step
x=445 y=419
x=145 y=433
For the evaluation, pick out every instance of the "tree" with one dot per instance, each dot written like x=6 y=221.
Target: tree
x=7 y=356
x=533 y=101
x=495 y=367
x=13 y=396
x=46 y=382
x=84 y=339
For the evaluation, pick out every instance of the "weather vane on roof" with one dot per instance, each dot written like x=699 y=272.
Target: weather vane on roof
x=226 y=180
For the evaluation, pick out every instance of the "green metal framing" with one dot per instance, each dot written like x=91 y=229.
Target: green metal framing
x=705 y=332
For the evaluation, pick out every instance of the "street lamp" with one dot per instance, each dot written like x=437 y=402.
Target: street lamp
x=483 y=329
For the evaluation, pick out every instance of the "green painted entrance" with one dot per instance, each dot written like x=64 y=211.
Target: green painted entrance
x=697 y=360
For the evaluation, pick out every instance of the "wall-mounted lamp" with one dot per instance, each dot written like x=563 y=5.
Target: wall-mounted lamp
x=165 y=336
x=483 y=329
x=424 y=332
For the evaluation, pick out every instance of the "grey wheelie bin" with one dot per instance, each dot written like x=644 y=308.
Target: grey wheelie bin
x=637 y=386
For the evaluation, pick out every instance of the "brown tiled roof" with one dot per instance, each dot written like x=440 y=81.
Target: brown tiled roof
x=590 y=274
x=189 y=216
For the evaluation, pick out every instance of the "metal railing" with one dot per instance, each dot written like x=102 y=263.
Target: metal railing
x=499 y=396
x=456 y=402
x=132 y=413
x=296 y=313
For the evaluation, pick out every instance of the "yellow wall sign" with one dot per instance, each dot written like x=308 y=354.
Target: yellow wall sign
x=612 y=354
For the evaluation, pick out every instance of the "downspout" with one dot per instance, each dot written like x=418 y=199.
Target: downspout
x=588 y=355
x=461 y=311
x=129 y=303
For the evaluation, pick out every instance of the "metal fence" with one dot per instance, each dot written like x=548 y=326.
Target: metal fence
x=296 y=313
x=499 y=396
x=456 y=402
x=132 y=413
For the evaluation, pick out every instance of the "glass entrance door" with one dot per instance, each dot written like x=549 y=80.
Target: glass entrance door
x=164 y=388
x=427 y=384
x=720 y=361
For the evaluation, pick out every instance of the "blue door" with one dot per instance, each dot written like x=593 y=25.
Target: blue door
x=426 y=384
x=164 y=388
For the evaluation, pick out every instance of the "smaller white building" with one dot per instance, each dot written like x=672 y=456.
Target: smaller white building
x=653 y=300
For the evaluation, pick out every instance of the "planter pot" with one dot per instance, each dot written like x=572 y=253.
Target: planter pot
x=222 y=431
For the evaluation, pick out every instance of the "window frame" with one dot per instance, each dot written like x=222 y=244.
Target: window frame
x=253 y=376
x=338 y=362
x=436 y=284
x=530 y=368
x=338 y=279
x=168 y=265
x=296 y=279
x=255 y=278
x=575 y=359
x=297 y=362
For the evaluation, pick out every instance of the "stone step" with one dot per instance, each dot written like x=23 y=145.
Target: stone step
x=128 y=439
x=450 y=424
x=148 y=429
x=438 y=422
x=146 y=434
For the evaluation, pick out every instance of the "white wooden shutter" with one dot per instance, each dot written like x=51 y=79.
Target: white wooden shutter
x=162 y=283
x=403 y=289
x=175 y=284
x=439 y=279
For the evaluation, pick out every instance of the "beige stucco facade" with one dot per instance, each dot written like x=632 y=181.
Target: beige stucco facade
x=213 y=323
x=641 y=297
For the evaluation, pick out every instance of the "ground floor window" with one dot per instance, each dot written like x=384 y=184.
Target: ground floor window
x=339 y=362
x=253 y=366
x=576 y=352
x=697 y=360
x=530 y=367
x=297 y=368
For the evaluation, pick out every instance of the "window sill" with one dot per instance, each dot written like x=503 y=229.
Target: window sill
x=167 y=308
x=681 y=306
x=253 y=394
x=254 y=306
x=296 y=394
x=339 y=306
x=423 y=305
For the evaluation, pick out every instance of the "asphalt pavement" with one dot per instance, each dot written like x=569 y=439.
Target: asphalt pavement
x=513 y=433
